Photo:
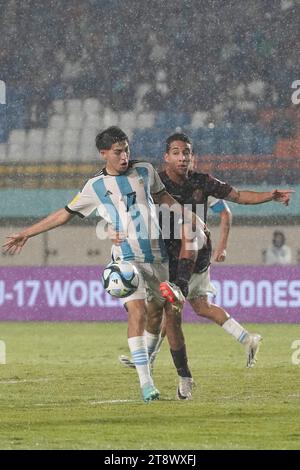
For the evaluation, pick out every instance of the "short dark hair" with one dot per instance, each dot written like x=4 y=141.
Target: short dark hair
x=277 y=233
x=105 y=139
x=177 y=136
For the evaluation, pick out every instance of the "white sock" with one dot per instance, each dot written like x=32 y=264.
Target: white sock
x=157 y=348
x=236 y=330
x=139 y=353
x=151 y=341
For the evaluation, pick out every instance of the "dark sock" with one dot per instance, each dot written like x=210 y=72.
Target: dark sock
x=180 y=362
x=185 y=270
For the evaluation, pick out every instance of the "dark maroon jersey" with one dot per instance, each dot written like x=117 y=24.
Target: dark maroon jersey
x=193 y=192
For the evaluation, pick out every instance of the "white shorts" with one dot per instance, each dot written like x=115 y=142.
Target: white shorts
x=150 y=277
x=200 y=285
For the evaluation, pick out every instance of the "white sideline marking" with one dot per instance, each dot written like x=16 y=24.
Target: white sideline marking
x=101 y=402
x=48 y=404
x=18 y=381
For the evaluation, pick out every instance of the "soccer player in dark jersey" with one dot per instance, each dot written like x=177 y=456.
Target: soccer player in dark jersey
x=194 y=188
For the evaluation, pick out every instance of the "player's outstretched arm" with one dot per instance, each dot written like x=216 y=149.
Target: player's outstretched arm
x=16 y=241
x=255 y=197
x=219 y=254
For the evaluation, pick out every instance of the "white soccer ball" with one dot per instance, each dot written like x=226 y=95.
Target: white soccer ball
x=120 y=279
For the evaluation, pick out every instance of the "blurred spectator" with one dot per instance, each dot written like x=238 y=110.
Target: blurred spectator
x=278 y=252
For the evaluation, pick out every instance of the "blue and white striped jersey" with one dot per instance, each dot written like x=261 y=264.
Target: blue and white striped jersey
x=125 y=203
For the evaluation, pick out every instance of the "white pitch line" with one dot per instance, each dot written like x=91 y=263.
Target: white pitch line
x=102 y=402
x=19 y=381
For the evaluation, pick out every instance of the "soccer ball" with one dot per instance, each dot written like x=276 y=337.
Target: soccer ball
x=120 y=279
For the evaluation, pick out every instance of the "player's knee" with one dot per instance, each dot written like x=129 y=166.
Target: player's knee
x=153 y=324
x=203 y=307
x=154 y=318
x=173 y=317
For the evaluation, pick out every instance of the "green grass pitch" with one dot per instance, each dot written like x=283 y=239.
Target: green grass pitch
x=63 y=388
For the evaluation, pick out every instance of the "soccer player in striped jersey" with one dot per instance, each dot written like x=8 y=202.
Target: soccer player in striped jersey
x=123 y=194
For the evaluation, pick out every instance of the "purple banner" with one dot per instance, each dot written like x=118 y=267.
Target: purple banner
x=269 y=294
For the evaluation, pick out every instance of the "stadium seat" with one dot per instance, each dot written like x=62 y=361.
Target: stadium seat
x=93 y=122
x=197 y=134
x=57 y=122
x=162 y=120
x=225 y=147
x=3 y=135
x=170 y=121
x=127 y=121
x=58 y=106
x=110 y=118
x=33 y=153
x=3 y=123
x=73 y=106
x=71 y=136
x=207 y=147
x=17 y=116
x=148 y=143
x=205 y=141
x=74 y=121
x=87 y=144
x=87 y=151
x=56 y=92
x=244 y=139
x=17 y=136
x=199 y=119
x=296 y=148
x=224 y=140
x=91 y=106
x=53 y=137
x=182 y=120
x=3 y=152
x=15 y=153
x=52 y=152
x=145 y=120
x=69 y=152
x=142 y=89
x=283 y=148
x=263 y=143
x=16 y=109
x=35 y=137
x=88 y=135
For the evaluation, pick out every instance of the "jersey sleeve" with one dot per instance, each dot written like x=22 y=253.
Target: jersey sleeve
x=217 y=205
x=156 y=184
x=84 y=203
x=216 y=188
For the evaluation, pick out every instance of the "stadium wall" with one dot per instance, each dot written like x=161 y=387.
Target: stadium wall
x=78 y=244
x=37 y=203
